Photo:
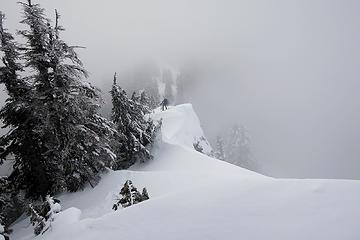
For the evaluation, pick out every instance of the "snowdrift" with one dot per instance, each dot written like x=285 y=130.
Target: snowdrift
x=193 y=196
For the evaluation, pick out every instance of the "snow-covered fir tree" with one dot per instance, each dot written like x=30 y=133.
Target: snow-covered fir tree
x=137 y=130
x=130 y=196
x=11 y=206
x=135 y=96
x=197 y=146
x=43 y=214
x=75 y=136
x=219 y=148
x=24 y=139
x=59 y=141
x=144 y=102
x=147 y=101
x=144 y=194
x=237 y=149
x=18 y=115
x=234 y=147
x=15 y=85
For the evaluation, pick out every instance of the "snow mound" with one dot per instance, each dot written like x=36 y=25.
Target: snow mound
x=193 y=196
x=181 y=126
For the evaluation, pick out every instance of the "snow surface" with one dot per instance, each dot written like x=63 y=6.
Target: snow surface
x=6 y=168
x=193 y=196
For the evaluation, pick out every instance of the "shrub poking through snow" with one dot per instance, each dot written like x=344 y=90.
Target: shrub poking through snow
x=145 y=195
x=198 y=147
x=201 y=145
x=129 y=195
x=43 y=214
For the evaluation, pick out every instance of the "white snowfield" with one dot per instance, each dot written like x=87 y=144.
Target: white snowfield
x=195 y=197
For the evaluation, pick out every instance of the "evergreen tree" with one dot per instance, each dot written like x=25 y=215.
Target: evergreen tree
x=78 y=136
x=135 y=96
x=32 y=170
x=137 y=131
x=150 y=84
x=37 y=221
x=15 y=85
x=146 y=102
x=130 y=196
x=43 y=214
x=18 y=114
x=11 y=206
x=197 y=146
x=59 y=141
x=219 y=148
x=153 y=102
x=234 y=148
x=142 y=100
x=144 y=194
x=238 y=152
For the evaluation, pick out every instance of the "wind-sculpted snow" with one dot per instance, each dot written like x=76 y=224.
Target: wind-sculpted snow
x=193 y=196
x=181 y=126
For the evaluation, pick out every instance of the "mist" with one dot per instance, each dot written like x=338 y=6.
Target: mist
x=288 y=70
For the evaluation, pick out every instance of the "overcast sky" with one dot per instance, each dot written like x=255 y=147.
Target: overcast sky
x=287 y=69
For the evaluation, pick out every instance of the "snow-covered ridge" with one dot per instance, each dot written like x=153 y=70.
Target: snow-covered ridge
x=193 y=196
x=182 y=127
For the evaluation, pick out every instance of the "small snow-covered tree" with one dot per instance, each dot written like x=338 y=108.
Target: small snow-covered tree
x=201 y=145
x=234 y=147
x=130 y=196
x=42 y=215
x=197 y=146
x=238 y=151
x=137 y=130
x=144 y=194
x=219 y=148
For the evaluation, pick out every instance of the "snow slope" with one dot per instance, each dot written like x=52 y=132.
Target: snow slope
x=193 y=196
